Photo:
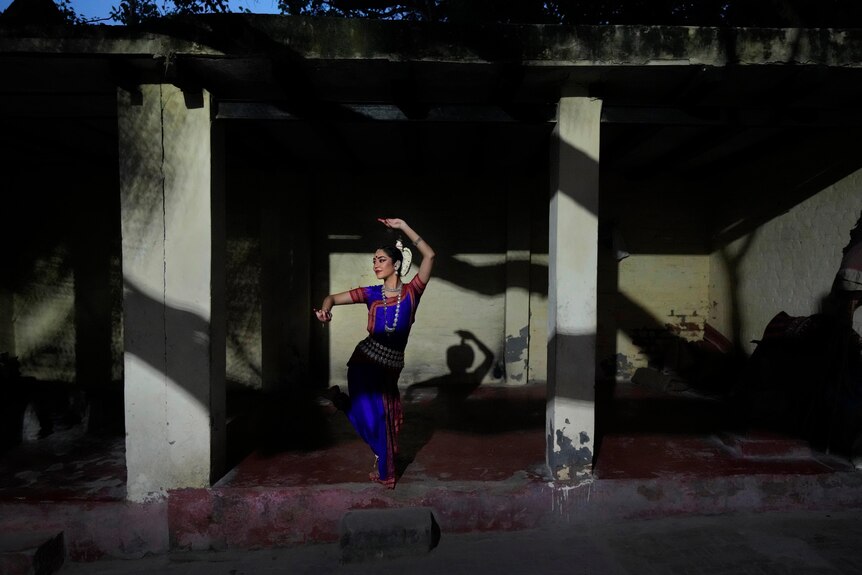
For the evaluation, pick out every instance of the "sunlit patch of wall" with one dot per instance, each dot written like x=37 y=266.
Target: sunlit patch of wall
x=454 y=308
x=672 y=292
x=44 y=319
x=444 y=308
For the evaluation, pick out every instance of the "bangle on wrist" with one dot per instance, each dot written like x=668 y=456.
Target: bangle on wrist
x=417 y=241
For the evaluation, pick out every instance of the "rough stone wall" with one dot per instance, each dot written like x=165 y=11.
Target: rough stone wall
x=787 y=264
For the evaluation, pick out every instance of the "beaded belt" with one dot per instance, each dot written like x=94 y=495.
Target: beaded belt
x=381 y=354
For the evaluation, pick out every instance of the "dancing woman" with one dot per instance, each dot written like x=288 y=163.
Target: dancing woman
x=374 y=403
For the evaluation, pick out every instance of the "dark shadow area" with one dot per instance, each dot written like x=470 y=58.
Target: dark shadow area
x=60 y=278
x=805 y=375
x=449 y=391
x=804 y=379
x=152 y=323
x=289 y=421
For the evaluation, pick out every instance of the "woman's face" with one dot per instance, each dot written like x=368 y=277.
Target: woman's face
x=383 y=265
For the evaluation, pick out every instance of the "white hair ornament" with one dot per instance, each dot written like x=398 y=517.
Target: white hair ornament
x=406 y=258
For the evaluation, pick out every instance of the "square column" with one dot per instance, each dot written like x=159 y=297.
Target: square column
x=173 y=274
x=572 y=291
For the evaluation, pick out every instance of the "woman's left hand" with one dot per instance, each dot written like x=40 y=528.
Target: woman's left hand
x=323 y=315
x=394 y=223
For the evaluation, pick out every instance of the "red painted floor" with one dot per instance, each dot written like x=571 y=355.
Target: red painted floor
x=491 y=436
x=652 y=434
x=495 y=434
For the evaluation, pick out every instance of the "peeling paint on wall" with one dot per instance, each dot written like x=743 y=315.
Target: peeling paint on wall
x=566 y=460
x=517 y=354
x=517 y=346
x=618 y=366
x=662 y=299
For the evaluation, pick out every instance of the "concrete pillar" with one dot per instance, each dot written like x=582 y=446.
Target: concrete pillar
x=517 y=342
x=173 y=261
x=573 y=253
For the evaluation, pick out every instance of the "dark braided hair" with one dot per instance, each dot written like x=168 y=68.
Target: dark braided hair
x=395 y=255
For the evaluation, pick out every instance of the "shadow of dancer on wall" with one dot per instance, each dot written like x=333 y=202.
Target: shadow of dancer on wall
x=453 y=388
x=440 y=401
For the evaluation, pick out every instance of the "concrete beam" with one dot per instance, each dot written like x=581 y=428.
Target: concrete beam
x=541 y=45
x=385 y=113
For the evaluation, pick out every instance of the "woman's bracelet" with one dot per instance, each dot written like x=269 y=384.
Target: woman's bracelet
x=417 y=241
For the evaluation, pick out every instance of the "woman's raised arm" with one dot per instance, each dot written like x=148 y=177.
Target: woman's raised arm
x=427 y=252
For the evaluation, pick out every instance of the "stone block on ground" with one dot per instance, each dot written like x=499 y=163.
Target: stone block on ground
x=39 y=553
x=370 y=534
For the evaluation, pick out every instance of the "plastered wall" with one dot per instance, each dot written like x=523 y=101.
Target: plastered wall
x=444 y=309
x=659 y=297
x=787 y=264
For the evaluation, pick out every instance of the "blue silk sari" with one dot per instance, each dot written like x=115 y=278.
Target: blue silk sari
x=373 y=371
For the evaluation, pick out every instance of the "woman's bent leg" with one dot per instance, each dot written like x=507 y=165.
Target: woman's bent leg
x=375 y=412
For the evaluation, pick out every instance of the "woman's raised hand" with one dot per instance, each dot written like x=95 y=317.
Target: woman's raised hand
x=394 y=223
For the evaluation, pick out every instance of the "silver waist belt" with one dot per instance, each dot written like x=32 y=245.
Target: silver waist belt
x=381 y=354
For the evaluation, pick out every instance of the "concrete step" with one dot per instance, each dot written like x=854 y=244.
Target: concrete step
x=369 y=534
x=765 y=444
x=39 y=553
